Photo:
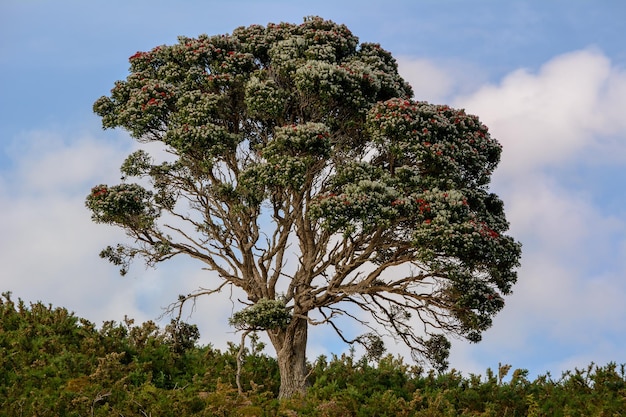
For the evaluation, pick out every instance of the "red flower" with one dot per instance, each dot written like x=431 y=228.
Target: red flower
x=137 y=54
x=423 y=206
x=487 y=231
x=99 y=192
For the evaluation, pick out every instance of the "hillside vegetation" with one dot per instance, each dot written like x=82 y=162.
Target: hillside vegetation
x=53 y=363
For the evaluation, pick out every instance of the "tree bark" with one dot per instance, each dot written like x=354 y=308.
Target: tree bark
x=290 y=345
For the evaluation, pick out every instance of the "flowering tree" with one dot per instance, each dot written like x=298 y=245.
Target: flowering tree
x=293 y=143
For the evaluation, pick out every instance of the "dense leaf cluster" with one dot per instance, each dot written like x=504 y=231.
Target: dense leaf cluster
x=54 y=363
x=264 y=315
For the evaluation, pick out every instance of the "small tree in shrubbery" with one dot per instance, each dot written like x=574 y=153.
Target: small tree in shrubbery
x=303 y=173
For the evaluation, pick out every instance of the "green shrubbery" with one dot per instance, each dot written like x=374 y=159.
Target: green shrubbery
x=53 y=363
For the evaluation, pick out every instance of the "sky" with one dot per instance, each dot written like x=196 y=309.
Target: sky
x=547 y=77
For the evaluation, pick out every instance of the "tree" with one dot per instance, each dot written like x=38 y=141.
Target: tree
x=295 y=142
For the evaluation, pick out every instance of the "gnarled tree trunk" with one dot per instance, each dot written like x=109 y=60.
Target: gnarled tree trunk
x=290 y=345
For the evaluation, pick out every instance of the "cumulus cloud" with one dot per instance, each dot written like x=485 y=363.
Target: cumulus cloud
x=438 y=81
x=571 y=105
x=429 y=81
x=49 y=245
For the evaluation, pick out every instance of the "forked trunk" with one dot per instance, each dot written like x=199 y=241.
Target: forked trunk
x=290 y=345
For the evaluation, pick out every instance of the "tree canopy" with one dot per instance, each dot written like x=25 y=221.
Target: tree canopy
x=303 y=172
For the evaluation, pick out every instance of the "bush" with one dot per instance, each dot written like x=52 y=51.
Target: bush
x=54 y=363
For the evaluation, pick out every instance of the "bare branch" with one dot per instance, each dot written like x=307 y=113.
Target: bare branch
x=178 y=305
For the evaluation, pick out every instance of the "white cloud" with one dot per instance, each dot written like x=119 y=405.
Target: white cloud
x=559 y=220
x=437 y=81
x=49 y=246
x=572 y=104
x=429 y=81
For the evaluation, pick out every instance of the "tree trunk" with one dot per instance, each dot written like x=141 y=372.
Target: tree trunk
x=290 y=345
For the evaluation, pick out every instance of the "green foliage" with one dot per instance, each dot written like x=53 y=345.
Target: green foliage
x=437 y=350
x=54 y=363
x=263 y=315
x=126 y=204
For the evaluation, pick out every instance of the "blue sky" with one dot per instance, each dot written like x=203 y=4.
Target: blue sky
x=548 y=78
